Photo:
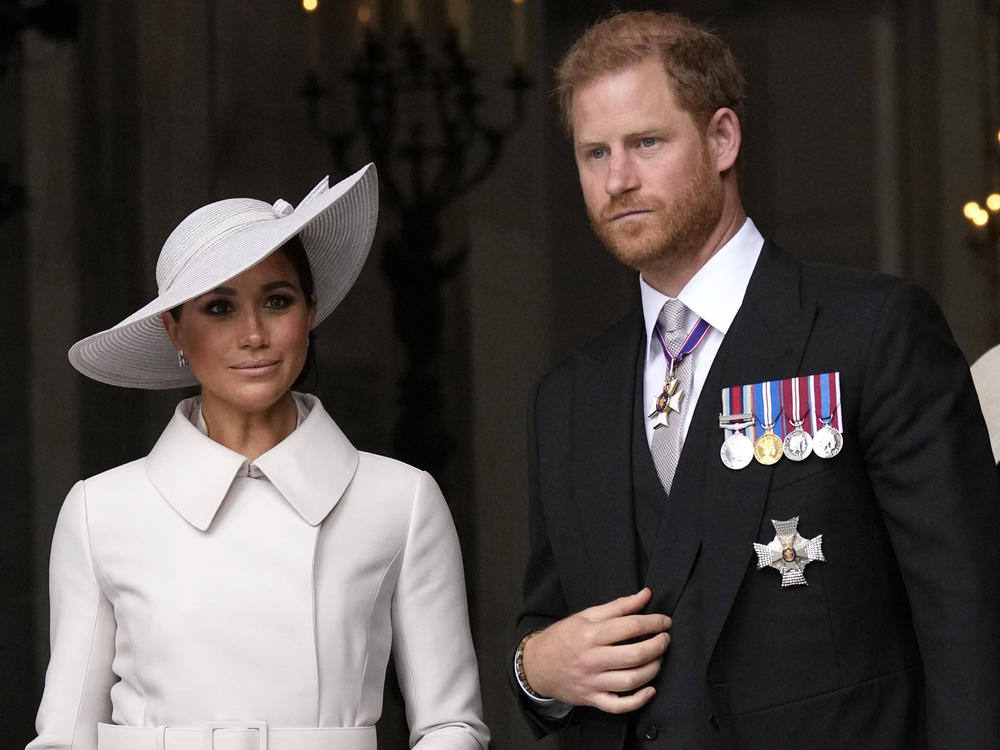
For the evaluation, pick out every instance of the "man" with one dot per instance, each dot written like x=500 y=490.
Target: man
x=844 y=597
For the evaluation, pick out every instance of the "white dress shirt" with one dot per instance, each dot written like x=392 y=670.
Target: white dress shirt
x=713 y=294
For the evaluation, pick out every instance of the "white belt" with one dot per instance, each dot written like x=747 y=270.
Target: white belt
x=245 y=735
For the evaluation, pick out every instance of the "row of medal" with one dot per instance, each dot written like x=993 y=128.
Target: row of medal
x=792 y=418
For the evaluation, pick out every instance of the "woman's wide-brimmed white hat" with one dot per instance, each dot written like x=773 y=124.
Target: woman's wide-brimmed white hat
x=986 y=376
x=222 y=240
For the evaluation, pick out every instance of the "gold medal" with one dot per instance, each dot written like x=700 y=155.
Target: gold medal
x=768 y=448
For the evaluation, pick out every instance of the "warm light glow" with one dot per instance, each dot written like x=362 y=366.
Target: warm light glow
x=971 y=210
x=310 y=5
x=364 y=14
x=521 y=2
x=993 y=202
x=981 y=219
x=998 y=135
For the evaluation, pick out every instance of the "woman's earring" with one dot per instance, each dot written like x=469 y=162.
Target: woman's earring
x=182 y=360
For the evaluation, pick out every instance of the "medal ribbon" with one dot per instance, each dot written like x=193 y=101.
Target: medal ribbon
x=697 y=335
x=794 y=402
x=813 y=398
x=824 y=390
x=739 y=400
x=765 y=396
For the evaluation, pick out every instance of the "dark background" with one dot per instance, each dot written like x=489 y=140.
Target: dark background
x=869 y=125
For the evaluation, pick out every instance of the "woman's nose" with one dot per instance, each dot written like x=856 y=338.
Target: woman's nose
x=253 y=332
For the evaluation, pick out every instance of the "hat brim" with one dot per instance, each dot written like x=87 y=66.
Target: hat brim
x=336 y=225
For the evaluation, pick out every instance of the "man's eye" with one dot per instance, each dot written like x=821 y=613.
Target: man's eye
x=648 y=142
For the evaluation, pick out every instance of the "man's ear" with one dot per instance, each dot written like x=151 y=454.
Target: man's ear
x=724 y=138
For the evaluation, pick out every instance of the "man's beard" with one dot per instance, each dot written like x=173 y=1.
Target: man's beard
x=676 y=231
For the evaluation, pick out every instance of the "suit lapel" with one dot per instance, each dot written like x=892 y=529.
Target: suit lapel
x=711 y=508
x=602 y=427
x=765 y=342
x=680 y=534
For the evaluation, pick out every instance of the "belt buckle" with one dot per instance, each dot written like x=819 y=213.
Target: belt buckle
x=211 y=727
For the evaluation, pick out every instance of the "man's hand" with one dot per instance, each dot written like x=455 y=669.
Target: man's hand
x=581 y=659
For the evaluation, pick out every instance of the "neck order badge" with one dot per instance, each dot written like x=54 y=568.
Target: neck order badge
x=669 y=401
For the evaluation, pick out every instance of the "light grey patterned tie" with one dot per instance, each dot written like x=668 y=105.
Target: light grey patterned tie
x=667 y=440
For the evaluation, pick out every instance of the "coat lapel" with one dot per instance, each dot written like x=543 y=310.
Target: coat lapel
x=680 y=534
x=711 y=507
x=765 y=342
x=603 y=398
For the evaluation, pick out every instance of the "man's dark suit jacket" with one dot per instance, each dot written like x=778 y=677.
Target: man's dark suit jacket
x=894 y=641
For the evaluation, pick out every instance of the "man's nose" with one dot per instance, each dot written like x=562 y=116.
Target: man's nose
x=622 y=174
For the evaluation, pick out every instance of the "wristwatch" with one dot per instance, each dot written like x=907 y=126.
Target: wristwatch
x=522 y=678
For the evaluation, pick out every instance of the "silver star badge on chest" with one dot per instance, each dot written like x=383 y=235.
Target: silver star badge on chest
x=789 y=552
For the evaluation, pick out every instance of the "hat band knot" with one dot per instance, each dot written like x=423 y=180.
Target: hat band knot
x=282 y=208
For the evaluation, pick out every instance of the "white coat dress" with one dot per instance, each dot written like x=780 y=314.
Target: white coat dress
x=191 y=587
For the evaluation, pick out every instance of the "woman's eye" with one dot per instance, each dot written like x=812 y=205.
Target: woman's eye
x=597 y=153
x=218 y=307
x=278 y=301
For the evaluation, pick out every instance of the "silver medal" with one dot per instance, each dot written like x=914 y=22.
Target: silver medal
x=737 y=451
x=798 y=444
x=827 y=441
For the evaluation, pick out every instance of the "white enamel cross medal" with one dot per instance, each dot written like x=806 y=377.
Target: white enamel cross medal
x=669 y=401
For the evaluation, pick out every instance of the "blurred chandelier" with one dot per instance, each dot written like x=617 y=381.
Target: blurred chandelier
x=416 y=115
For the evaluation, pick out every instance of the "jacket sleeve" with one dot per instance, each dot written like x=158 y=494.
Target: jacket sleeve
x=928 y=458
x=432 y=645
x=544 y=599
x=82 y=639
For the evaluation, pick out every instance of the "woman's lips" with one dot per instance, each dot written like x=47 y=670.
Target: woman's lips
x=255 y=367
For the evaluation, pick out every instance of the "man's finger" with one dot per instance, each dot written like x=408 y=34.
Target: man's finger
x=613 y=703
x=630 y=655
x=629 y=628
x=623 y=605
x=627 y=680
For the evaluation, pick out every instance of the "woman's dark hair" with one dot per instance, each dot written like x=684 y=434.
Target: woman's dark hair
x=295 y=251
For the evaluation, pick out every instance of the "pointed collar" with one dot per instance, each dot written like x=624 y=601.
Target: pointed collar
x=311 y=468
x=716 y=291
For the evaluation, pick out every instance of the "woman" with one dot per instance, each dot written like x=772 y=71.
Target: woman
x=241 y=586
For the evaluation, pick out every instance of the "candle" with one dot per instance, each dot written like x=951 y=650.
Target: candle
x=411 y=14
x=459 y=14
x=367 y=15
x=312 y=33
x=364 y=16
x=520 y=46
